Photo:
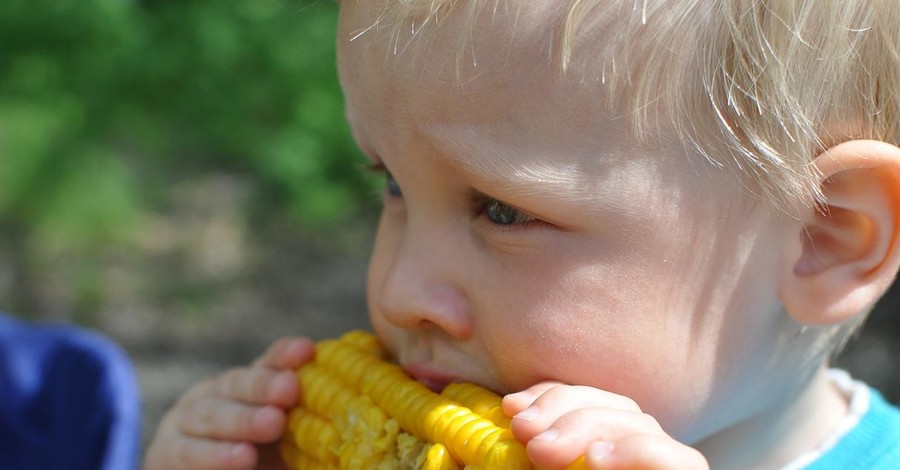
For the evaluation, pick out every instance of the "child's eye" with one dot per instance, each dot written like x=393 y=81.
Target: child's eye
x=393 y=189
x=501 y=214
x=391 y=186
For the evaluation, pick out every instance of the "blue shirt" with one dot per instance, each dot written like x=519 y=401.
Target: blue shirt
x=68 y=400
x=874 y=443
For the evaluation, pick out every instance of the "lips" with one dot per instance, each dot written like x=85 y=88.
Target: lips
x=430 y=377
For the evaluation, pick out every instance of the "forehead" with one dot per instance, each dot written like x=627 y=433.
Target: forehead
x=630 y=56
x=500 y=67
x=455 y=58
x=591 y=39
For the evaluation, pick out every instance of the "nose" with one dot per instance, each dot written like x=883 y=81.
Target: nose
x=418 y=284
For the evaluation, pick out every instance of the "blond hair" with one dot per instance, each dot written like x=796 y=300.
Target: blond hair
x=772 y=82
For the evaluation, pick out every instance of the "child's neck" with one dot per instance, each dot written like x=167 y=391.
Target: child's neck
x=773 y=439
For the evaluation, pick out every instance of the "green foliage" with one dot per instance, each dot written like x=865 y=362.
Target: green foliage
x=103 y=103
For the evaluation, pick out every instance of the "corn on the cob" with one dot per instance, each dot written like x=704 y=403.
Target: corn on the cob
x=360 y=412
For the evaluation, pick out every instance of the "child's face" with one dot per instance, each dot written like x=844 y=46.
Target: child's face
x=530 y=237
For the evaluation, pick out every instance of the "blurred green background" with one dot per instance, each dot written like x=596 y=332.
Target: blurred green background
x=178 y=175
x=106 y=106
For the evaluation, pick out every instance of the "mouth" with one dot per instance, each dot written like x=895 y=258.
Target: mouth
x=435 y=381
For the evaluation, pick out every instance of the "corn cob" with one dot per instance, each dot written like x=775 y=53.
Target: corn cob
x=361 y=412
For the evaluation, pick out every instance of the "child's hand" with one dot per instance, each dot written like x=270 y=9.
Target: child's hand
x=561 y=422
x=234 y=420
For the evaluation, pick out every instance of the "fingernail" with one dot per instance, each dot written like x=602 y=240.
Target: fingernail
x=528 y=414
x=523 y=395
x=599 y=450
x=238 y=453
x=549 y=435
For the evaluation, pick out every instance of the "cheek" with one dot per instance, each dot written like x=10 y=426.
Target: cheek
x=565 y=326
x=594 y=324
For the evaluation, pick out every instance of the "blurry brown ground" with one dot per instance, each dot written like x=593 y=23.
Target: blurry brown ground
x=205 y=292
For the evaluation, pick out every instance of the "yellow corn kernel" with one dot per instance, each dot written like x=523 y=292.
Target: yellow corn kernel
x=366 y=342
x=386 y=420
x=437 y=457
x=314 y=436
x=478 y=399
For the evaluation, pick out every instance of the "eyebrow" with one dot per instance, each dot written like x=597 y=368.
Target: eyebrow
x=495 y=165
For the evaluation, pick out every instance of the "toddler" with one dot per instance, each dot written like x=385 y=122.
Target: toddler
x=648 y=223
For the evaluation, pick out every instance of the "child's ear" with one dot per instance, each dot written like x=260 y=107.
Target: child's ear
x=850 y=244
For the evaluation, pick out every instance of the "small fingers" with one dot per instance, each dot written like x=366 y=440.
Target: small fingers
x=216 y=423
x=516 y=402
x=189 y=453
x=542 y=405
x=223 y=419
x=561 y=423
x=569 y=436
x=287 y=353
x=645 y=452
x=259 y=386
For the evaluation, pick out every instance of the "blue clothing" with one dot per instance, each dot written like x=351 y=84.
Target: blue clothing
x=874 y=443
x=68 y=400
